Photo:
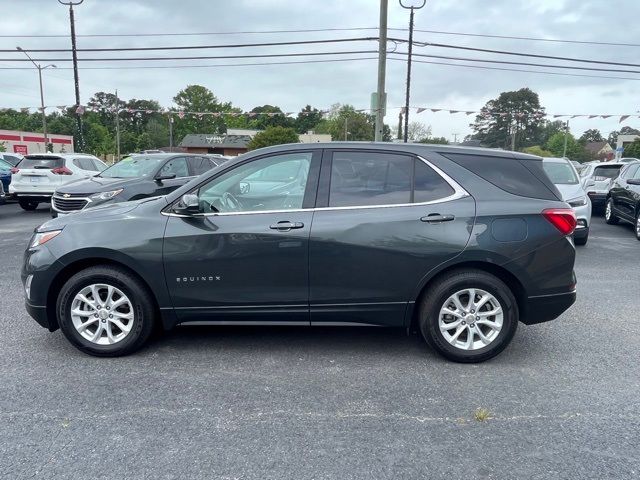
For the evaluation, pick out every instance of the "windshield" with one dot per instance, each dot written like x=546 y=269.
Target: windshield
x=606 y=172
x=5 y=165
x=133 y=167
x=560 y=173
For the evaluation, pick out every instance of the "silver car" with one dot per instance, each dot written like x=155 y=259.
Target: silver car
x=565 y=177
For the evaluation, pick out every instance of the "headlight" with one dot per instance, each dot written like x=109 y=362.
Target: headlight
x=105 y=195
x=577 y=202
x=40 y=238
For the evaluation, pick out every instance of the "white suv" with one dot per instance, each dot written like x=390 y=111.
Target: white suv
x=37 y=176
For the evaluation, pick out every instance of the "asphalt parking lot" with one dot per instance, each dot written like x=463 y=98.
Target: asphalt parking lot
x=300 y=403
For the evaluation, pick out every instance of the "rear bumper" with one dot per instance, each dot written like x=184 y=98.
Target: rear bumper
x=545 y=308
x=597 y=199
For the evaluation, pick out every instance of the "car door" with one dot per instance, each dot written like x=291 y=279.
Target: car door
x=174 y=166
x=243 y=257
x=633 y=189
x=383 y=222
x=621 y=193
x=200 y=165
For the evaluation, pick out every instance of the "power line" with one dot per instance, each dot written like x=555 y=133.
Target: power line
x=138 y=67
x=197 y=47
x=506 y=62
x=218 y=57
x=484 y=67
x=315 y=30
x=520 y=54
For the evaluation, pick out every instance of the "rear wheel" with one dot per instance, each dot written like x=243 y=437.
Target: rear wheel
x=609 y=216
x=27 y=204
x=469 y=316
x=105 y=311
x=638 y=225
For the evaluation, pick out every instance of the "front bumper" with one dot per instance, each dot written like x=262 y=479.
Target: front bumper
x=545 y=308
x=39 y=314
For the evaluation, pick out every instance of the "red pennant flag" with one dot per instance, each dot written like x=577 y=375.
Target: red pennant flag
x=180 y=115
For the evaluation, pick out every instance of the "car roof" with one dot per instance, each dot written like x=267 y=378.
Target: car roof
x=415 y=148
x=58 y=155
x=556 y=160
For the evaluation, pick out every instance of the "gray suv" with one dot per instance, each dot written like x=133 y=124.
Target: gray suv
x=458 y=244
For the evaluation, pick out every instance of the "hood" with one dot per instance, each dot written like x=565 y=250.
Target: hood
x=569 y=192
x=103 y=211
x=93 y=185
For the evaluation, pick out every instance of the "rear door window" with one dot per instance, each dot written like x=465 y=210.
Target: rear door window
x=365 y=179
x=199 y=165
x=176 y=165
x=85 y=164
x=41 y=162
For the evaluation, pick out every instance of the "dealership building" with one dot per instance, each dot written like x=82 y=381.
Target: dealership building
x=32 y=142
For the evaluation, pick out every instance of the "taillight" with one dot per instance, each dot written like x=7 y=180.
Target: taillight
x=564 y=219
x=15 y=170
x=61 y=171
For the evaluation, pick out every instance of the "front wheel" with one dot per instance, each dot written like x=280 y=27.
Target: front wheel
x=638 y=225
x=469 y=316
x=609 y=216
x=28 y=205
x=105 y=311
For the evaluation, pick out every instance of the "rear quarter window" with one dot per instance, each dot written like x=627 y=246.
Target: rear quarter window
x=42 y=162
x=525 y=178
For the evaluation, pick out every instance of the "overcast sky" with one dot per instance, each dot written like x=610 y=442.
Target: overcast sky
x=323 y=84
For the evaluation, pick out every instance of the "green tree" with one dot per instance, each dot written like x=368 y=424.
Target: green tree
x=575 y=150
x=345 y=123
x=198 y=99
x=157 y=132
x=539 y=151
x=273 y=136
x=98 y=140
x=307 y=119
x=591 y=135
x=266 y=116
x=2 y=147
x=633 y=150
x=516 y=112
x=548 y=129
x=613 y=136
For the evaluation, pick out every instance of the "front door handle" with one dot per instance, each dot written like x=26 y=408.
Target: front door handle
x=285 y=226
x=437 y=218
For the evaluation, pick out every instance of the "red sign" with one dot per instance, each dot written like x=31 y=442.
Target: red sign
x=21 y=149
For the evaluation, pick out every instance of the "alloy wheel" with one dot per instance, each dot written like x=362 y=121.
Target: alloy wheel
x=638 y=226
x=607 y=211
x=102 y=314
x=471 y=319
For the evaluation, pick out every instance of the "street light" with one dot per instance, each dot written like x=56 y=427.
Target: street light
x=411 y=7
x=44 y=115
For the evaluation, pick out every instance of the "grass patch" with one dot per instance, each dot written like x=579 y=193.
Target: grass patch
x=481 y=414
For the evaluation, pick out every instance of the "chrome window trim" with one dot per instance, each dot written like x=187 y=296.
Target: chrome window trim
x=458 y=193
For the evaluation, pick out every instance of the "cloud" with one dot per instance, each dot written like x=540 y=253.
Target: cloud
x=323 y=84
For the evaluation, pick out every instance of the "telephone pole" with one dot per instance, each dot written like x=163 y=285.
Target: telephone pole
x=74 y=55
x=408 y=92
x=381 y=96
x=117 y=128
x=42 y=107
x=566 y=135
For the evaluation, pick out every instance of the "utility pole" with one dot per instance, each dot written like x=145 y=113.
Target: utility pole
x=455 y=138
x=400 y=124
x=408 y=92
x=42 y=107
x=74 y=54
x=170 y=133
x=117 y=127
x=381 y=96
x=566 y=135
x=513 y=141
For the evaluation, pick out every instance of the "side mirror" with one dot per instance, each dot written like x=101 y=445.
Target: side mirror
x=164 y=176
x=189 y=204
x=634 y=181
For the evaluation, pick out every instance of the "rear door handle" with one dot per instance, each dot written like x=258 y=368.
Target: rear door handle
x=437 y=218
x=285 y=226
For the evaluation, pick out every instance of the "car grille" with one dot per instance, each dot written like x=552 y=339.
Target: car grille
x=69 y=204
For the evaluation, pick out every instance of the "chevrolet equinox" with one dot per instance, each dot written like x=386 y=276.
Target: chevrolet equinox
x=459 y=244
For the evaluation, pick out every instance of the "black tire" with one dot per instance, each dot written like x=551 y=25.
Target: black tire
x=582 y=241
x=609 y=215
x=445 y=286
x=637 y=225
x=28 y=205
x=143 y=309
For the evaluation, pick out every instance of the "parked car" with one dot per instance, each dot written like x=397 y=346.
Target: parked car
x=37 y=176
x=132 y=178
x=11 y=158
x=623 y=199
x=459 y=243
x=564 y=176
x=5 y=174
x=596 y=179
x=628 y=160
